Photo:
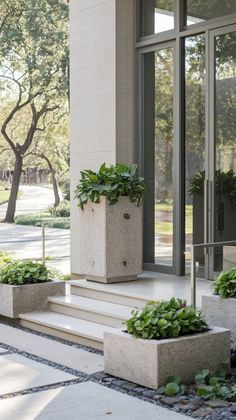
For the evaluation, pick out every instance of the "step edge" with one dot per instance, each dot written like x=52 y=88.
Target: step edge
x=112 y=292
x=24 y=317
x=85 y=308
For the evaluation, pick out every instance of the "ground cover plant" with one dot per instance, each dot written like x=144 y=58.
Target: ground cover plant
x=166 y=319
x=225 y=284
x=111 y=182
x=24 y=272
x=208 y=385
x=36 y=219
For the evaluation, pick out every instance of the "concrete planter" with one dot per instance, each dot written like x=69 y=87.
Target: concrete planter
x=151 y=362
x=220 y=312
x=15 y=300
x=110 y=241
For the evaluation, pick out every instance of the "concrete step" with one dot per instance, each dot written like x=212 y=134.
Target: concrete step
x=106 y=293
x=90 y=309
x=66 y=327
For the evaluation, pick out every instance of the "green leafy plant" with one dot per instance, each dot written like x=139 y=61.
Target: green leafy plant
x=4 y=258
x=62 y=210
x=224 y=181
x=225 y=284
x=111 y=182
x=172 y=387
x=214 y=385
x=24 y=272
x=166 y=319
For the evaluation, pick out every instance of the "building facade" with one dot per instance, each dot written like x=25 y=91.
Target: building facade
x=154 y=82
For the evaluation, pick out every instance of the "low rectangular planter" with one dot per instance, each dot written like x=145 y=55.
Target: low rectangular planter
x=110 y=241
x=15 y=300
x=220 y=312
x=151 y=362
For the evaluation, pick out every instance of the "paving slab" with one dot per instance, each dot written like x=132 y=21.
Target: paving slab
x=52 y=350
x=18 y=373
x=85 y=401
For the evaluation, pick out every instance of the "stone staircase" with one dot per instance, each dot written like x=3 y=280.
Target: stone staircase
x=84 y=314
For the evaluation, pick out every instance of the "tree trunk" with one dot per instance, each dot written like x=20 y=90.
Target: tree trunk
x=55 y=189
x=11 y=207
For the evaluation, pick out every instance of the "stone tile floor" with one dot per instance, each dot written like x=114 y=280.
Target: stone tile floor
x=45 y=378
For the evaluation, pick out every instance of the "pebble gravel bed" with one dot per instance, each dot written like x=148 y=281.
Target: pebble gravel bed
x=189 y=403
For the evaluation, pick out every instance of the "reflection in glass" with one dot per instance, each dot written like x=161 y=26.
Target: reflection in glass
x=156 y=16
x=225 y=148
x=164 y=156
x=194 y=146
x=201 y=10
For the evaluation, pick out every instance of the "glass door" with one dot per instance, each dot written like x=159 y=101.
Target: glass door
x=158 y=156
x=222 y=147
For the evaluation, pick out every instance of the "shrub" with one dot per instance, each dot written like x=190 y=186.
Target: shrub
x=36 y=219
x=225 y=284
x=62 y=210
x=165 y=320
x=112 y=182
x=225 y=180
x=23 y=272
x=4 y=258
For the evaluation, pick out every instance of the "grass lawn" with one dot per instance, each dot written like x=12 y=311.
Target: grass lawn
x=165 y=227
x=4 y=196
x=36 y=219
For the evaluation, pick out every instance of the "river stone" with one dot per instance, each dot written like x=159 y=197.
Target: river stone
x=172 y=400
x=233 y=408
x=217 y=403
x=203 y=412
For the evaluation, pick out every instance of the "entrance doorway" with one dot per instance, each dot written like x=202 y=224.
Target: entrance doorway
x=188 y=150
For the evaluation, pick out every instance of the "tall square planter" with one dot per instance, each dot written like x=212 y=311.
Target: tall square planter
x=151 y=362
x=220 y=312
x=15 y=300
x=110 y=241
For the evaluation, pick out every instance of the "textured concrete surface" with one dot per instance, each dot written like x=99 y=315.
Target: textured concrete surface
x=15 y=300
x=18 y=373
x=151 y=362
x=54 y=351
x=110 y=239
x=229 y=257
x=220 y=312
x=86 y=401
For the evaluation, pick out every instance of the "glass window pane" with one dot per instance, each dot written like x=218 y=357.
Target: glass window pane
x=202 y=10
x=164 y=156
x=225 y=149
x=194 y=147
x=158 y=156
x=157 y=16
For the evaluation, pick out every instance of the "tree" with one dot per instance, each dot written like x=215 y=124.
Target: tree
x=51 y=147
x=33 y=73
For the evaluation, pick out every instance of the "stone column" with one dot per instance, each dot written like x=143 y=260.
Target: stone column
x=102 y=91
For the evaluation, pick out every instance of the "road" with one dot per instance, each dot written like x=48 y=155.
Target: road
x=34 y=199
x=26 y=241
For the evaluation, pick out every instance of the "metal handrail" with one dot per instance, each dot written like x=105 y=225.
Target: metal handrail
x=193 y=264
